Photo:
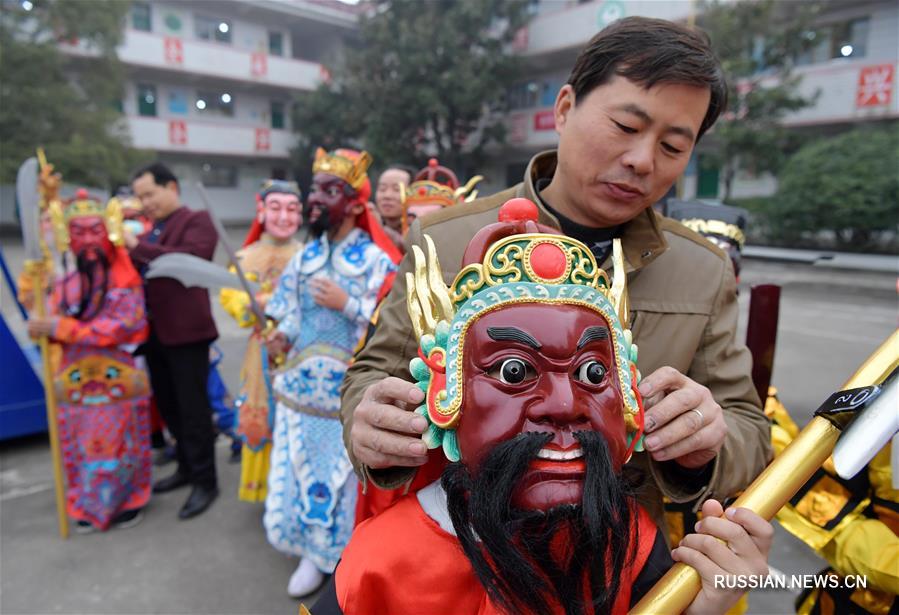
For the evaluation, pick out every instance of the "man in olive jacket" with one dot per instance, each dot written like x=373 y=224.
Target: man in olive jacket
x=639 y=97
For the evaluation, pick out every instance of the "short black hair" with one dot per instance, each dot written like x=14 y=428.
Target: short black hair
x=648 y=52
x=162 y=175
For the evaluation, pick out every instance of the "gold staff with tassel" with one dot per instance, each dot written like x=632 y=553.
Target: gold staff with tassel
x=774 y=487
x=33 y=191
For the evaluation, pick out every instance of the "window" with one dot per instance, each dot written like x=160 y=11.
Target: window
x=523 y=95
x=277 y=114
x=219 y=175
x=141 y=17
x=146 y=100
x=275 y=43
x=550 y=89
x=851 y=39
x=212 y=29
x=845 y=39
x=215 y=103
x=178 y=102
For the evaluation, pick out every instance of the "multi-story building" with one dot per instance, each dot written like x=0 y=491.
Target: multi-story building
x=210 y=83
x=852 y=66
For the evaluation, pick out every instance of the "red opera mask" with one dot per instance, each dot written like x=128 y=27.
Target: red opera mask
x=530 y=338
x=522 y=376
x=282 y=214
x=89 y=233
x=329 y=202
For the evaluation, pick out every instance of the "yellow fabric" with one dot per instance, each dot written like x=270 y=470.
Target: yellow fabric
x=783 y=429
x=880 y=473
x=867 y=547
x=237 y=302
x=254 y=467
x=857 y=545
x=261 y=262
x=740 y=607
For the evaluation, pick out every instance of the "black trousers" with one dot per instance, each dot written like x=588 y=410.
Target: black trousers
x=178 y=375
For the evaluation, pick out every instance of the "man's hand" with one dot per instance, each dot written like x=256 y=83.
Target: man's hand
x=41 y=326
x=683 y=421
x=129 y=238
x=385 y=433
x=277 y=344
x=744 y=551
x=328 y=294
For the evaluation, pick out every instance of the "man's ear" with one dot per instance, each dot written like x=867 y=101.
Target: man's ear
x=564 y=104
x=173 y=185
x=357 y=208
x=260 y=209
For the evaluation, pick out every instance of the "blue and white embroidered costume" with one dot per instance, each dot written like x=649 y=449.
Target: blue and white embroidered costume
x=310 y=507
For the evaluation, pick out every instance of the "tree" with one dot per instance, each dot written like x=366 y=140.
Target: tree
x=422 y=79
x=66 y=105
x=847 y=184
x=757 y=42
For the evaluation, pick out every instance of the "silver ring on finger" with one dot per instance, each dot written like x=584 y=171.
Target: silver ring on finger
x=701 y=418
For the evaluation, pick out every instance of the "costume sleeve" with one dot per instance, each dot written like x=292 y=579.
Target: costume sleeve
x=122 y=321
x=360 y=309
x=725 y=368
x=199 y=236
x=387 y=353
x=283 y=307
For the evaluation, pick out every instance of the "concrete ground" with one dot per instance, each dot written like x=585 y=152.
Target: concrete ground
x=220 y=562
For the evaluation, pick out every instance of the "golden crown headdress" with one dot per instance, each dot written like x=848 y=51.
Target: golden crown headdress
x=83 y=205
x=518 y=268
x=348 y=165
x=438 y=185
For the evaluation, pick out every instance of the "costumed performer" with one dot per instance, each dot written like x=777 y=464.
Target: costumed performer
x=530 y=377
x=98 y=318
x=269 y=246
x=322 y=305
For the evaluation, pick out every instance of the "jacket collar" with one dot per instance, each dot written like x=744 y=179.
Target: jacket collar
x=641 y=238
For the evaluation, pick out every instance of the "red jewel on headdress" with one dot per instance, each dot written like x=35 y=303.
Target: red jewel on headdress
x=422 y=191
x=432 y=162
x=548 y=261
x=81 y=194
x=514 y=210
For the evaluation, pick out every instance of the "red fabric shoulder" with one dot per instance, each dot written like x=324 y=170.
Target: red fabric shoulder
x=124 y=275
x=382 y=569
x=646 y=530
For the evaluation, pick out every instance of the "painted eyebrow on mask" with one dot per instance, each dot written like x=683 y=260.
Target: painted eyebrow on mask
x=513 y=334
x=591 y=334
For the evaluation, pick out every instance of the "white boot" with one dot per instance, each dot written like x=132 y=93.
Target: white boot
x=304 y=580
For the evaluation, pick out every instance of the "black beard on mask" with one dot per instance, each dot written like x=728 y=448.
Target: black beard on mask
x=511 y=550
x=91 y=264
x=321 y=225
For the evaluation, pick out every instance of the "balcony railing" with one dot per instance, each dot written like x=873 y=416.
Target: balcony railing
x=202 y=137
x=213 y=60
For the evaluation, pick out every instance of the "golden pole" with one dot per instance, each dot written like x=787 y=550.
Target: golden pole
x=774 y=487
x=38 y=272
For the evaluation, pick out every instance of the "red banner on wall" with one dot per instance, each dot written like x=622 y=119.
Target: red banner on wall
x=258 y=65
x=263 y=139
x=875 y=86
x=174 y=50
x=544 y=120
x=177 y=132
